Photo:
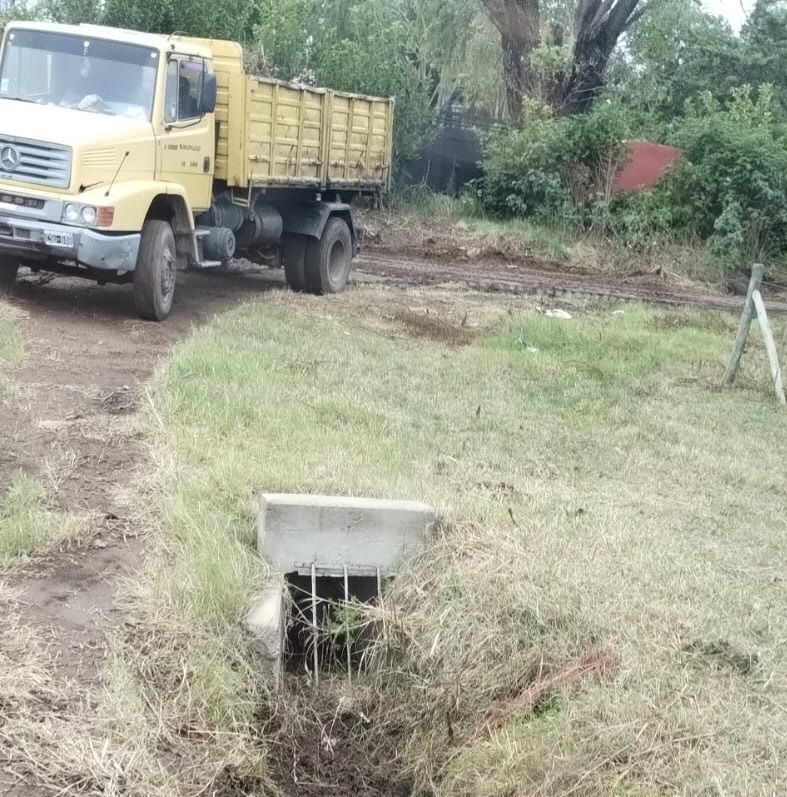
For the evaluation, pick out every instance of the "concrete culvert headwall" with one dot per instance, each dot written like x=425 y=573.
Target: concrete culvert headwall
x=326 y=554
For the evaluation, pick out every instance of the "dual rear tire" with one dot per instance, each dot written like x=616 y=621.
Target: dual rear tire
x=320 y=267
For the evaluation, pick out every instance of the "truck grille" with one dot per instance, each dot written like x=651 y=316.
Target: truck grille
x=35 y=162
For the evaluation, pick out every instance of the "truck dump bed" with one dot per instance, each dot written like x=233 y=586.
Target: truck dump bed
x=271 y=133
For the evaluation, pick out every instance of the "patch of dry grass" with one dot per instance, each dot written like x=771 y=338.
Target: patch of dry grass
x=113 y=740
x=438 y=224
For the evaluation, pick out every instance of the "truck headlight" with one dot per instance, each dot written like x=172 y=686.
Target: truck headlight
x=74 y=213
x=89 y=215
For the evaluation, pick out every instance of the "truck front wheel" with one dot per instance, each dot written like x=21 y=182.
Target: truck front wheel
x=8 y=268
x=154 y=276
x=328 y=260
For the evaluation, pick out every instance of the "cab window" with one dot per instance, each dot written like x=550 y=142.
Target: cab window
x=182 y=94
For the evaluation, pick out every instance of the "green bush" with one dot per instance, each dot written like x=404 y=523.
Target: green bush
x=553 y=167
x=731 y=186
x=641 y=221
x=728 y=189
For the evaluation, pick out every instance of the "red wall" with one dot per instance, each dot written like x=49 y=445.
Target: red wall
x=646 y=165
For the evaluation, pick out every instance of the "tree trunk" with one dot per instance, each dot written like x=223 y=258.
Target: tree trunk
x=599 y=25
x=519 y=23
x=584 y=83
x=514 y=75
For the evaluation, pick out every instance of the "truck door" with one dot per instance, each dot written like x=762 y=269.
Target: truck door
x=186 y=144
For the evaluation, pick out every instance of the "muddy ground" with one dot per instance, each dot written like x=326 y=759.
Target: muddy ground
x=87 y=360
x=528 y=276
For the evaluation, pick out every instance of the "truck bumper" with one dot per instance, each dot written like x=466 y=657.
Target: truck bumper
x=31 y=238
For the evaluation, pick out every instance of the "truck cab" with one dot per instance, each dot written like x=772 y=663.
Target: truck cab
x=95 y=127
x=117 y=165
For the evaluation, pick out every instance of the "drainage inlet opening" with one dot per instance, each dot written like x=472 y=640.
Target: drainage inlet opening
x=326 y=632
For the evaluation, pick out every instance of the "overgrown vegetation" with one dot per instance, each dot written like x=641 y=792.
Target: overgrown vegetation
x=728 y=189
x=553 y=168
x=600 y=497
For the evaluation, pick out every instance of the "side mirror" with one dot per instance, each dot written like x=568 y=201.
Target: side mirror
x=207 y=94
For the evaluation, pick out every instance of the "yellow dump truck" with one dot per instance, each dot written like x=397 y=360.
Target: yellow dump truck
x=126 y=156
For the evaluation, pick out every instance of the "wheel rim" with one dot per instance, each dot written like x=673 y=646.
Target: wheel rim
x=337 y=261
x=167 y=274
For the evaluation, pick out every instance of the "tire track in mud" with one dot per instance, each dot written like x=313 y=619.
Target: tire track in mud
x=531 y=277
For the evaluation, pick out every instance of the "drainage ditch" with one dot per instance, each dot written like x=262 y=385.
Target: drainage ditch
x=314 y=628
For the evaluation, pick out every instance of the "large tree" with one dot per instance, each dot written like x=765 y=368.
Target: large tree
x=679 y=52
x=596 y=27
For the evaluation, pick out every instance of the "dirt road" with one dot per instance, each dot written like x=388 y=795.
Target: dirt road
x=72 y=427
x=534 y=277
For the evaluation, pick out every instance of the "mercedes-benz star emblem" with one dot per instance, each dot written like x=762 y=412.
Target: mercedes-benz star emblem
x=9 y=158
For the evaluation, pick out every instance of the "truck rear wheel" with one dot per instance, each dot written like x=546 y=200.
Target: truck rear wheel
x=328 y=261
x=154 y=276
x=294 y=260
x=8 y=268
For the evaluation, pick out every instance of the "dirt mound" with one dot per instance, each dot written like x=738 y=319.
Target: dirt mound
x=428 y=325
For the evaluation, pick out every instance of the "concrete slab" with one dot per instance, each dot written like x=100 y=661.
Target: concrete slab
x=296 y=531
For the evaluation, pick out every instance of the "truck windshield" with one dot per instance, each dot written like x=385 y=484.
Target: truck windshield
x=79 y=72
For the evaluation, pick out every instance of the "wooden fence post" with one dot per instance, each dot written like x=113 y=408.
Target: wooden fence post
x=744 y=326
x=770 y=347
x=783 y=348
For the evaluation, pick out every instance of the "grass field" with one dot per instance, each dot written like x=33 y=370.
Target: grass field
x=601 y=500
x=598 y=492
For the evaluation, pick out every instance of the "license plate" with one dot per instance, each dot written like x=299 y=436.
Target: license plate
x=65 y=239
